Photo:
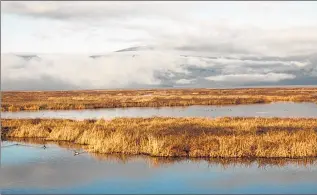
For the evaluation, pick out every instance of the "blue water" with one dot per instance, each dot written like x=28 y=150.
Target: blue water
x=31 y=169
x=278 y=109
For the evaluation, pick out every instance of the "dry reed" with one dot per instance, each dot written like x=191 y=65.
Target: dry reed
x=178 y=137
x=92 y=99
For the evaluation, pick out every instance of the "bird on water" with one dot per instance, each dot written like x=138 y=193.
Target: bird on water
x=76 y=153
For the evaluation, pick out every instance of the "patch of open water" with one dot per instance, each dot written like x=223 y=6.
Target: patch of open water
x=29 y=168
x=278 y=109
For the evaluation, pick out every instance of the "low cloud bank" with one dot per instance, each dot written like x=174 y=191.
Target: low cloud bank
x=151 y=68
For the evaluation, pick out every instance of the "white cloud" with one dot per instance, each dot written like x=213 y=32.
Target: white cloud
x=219 y=27
x=115 y=70
x=85 y=11
x=132 y=68
x=249 y=78
x=185 y=81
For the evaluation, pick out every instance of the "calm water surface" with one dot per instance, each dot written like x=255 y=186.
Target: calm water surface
x=280 y=109
x=31 y=169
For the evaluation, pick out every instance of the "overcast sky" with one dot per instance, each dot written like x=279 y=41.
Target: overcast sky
x=205 y=44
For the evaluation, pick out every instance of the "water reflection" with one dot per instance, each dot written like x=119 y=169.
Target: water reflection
x=56 y=170
x=160 y=161
x=278 y=109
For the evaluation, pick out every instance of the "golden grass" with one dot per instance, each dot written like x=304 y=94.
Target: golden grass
x=178 y=137
x=92 y=99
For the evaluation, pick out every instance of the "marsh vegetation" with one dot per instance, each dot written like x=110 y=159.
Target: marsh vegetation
x=92 y=99
x=178 y=137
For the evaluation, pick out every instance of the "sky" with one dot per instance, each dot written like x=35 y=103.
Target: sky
x=165 y=44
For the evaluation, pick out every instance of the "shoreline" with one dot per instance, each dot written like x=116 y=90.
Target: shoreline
x=158 y=161
x=226 y=137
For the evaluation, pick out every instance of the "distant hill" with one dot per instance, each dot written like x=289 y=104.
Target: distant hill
x=29 y=57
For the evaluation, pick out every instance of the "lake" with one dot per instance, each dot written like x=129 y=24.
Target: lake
x=278 y=109
x=29 y=169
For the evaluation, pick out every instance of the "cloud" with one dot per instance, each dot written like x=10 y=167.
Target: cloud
x=185 y=81
x=161 y=43
x=246 y=78
x=44 y=82
x=113 y=71
x=228 y=40
x=149 y=68
x=92 y=10
x=237 y=29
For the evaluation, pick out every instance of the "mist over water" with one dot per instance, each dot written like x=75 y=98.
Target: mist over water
x=152 y=69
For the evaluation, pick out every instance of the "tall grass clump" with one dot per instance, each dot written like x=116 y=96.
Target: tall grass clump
x=178 y=137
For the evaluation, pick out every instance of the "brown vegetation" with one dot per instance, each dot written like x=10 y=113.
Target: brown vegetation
x=176 y=137
x=92 y=99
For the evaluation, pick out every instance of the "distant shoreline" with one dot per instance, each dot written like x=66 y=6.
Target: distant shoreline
x=171 y=88
x=94 y=99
